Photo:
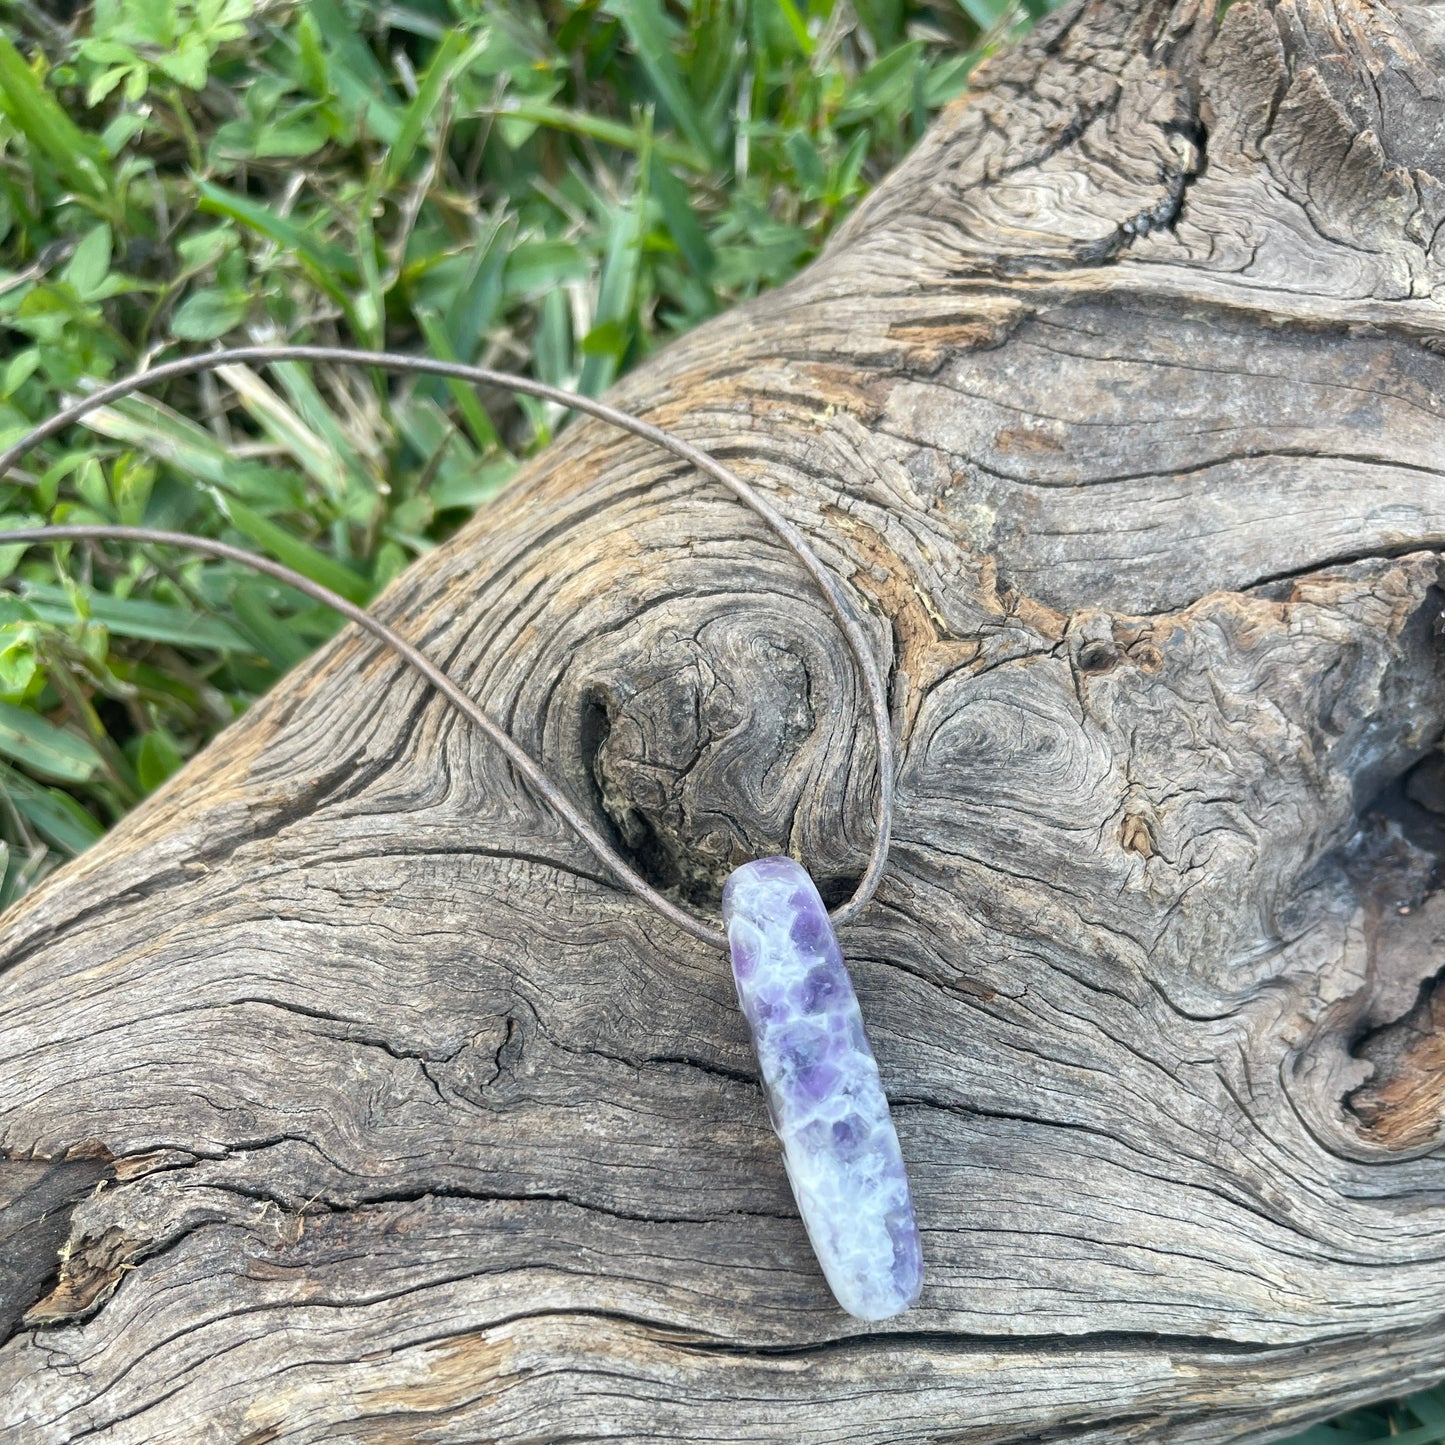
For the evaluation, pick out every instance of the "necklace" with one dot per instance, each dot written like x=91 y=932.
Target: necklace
x=825 y=1098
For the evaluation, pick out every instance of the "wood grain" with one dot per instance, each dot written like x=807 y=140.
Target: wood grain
x=1120 y=407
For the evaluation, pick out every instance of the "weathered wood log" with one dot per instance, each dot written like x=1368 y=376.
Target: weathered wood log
x=344 y=1099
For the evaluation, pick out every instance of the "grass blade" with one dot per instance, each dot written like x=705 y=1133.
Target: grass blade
x=328 y=265
x=137 y=617
x=647 y=28
x=299 y=556
x=330 y=462
x=445 y=62
x=41 y=747
x=56 y=816
x=79 y=159
x=359 y=79
x=466 y=398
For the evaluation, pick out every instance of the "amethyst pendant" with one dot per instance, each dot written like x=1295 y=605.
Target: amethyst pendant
x=824 y=1094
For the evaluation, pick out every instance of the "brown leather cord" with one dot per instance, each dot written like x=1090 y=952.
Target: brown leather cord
x=522 y=761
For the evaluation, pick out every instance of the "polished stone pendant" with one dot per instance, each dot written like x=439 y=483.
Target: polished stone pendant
x=825 y=1098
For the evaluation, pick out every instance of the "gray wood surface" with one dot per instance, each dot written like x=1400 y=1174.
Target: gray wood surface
x=342 y=1099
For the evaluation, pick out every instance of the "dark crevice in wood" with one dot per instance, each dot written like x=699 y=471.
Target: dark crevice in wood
x=37 y=1198
x=376 y=1199
x=948 y=1341
x=1277 y=586
x=633 y=832
x=1401 y=872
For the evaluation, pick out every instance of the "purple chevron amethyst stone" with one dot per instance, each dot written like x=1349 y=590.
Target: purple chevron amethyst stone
x=825 y=1098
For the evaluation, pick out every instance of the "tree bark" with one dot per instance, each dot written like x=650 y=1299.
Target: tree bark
x=344 y=1098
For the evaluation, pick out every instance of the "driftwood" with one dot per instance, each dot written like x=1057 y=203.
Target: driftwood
x=344 y=1099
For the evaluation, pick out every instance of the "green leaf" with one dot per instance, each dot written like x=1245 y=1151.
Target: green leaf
x=610 y=132
x=985 y=13
x=607 y=339
x=273 y=638
x=885 y=86
x=949 y=79
x=649 y=31
x=18 y=662
x=87 y=268
x=806 y=161
x=463 y=393
x=284 y=138
x=209 y=313
x=683 y=225
x=551 y=354
x=159 y=432
x=358 y=78
x=296 y=554
x=18 y=370
x=470 y=309
x=310 y=55
x=849 y=168
x=14 y=612
x=797 y=28
x=391 y=560
x=11 y=554
x=56 y=816
x=131 y=481
x=469 y=488
x=545 y=265
x=615 y=292
x=120 y=130
x=39 y=746
x=205 y=248
x=186 y=66
x=89 y=481
x=156 y=759
x=155 y=21
x=141 y=618
x=1429 y=1408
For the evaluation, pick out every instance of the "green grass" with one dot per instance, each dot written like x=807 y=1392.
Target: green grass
x=1420 y=1420
x=552 y=189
